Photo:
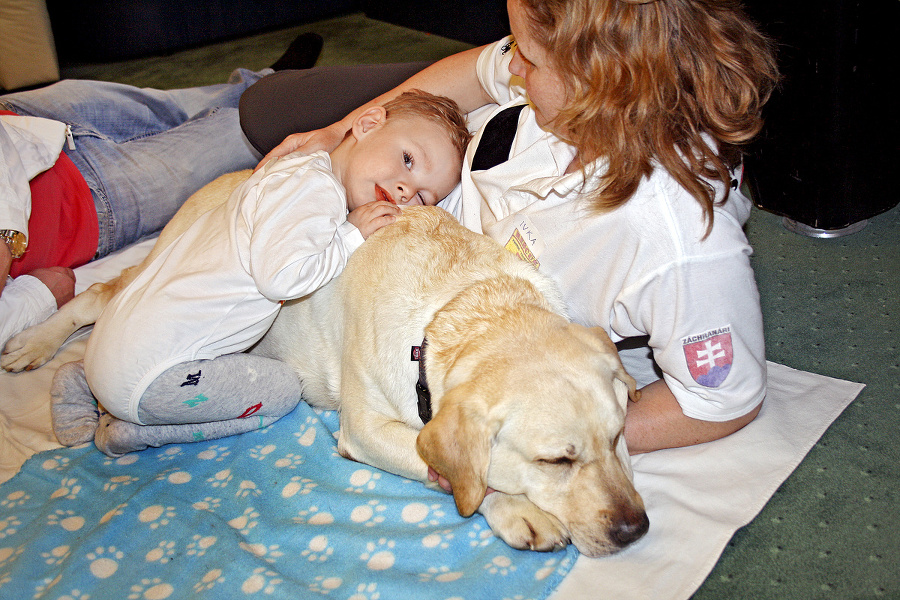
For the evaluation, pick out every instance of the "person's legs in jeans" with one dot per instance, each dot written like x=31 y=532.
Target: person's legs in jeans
x=120 y=112
x=143 y=151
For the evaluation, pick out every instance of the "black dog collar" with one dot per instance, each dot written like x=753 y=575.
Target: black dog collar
x=422 y=392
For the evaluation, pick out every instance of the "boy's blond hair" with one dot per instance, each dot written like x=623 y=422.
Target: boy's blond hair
x=437 y=109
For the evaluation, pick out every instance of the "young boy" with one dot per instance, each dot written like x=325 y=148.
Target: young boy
x=166 y=358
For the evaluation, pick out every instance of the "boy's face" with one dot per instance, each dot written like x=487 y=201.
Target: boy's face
x=405 y=160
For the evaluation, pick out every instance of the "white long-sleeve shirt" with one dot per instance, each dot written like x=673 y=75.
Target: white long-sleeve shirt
x=28 y=146
x=216 y=289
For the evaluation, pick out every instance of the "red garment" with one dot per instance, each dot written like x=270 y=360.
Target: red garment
x=62 y=229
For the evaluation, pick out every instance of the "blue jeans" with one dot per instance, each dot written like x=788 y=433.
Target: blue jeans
x=144 y=151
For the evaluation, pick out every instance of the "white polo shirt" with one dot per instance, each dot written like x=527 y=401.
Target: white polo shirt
x=643 y=269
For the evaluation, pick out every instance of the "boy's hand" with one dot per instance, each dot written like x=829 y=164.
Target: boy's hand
x=371 y=217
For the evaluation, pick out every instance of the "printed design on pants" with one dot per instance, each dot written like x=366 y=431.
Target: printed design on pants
x=193 y=402
x=251 y=410
x=192 y=379
x=709 y=356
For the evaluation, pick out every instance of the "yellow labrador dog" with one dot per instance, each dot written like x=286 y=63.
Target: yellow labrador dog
x=519 y=400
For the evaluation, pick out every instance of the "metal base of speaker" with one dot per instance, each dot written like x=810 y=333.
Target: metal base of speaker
x=803 y=229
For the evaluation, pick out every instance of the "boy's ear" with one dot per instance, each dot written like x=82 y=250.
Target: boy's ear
x=370 y=120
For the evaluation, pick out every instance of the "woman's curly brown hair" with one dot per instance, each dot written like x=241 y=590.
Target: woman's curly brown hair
x=648 y=81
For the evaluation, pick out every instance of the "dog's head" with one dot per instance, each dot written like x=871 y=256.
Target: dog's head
x=545 y=421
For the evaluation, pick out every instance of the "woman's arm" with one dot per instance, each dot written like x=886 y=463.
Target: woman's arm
x=454 y=77
x=656 y=421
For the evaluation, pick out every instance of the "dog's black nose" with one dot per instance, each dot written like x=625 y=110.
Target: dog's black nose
x=630 y=529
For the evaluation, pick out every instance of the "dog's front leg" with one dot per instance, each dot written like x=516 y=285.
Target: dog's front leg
x=36 y=345
x=521 y=524
x=370 y=437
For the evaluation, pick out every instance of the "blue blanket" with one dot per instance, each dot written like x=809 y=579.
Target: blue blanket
x=275 y=513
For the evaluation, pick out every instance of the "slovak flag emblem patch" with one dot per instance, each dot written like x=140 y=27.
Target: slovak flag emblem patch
x=709 y=356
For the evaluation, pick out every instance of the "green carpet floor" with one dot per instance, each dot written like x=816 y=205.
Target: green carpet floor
x=832 y=531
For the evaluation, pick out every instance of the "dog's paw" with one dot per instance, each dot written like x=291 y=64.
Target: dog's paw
x=521 y=524
x=26 y=351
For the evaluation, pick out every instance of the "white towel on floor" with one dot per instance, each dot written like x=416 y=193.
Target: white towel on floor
x=698 y=497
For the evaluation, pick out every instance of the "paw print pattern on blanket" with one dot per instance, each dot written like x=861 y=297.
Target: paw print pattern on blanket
x=216 y=453
x=57 y=555
x=423 y=515
x=379 y=556
x=17 y=498
x=201 y=544
x=9 y=525
x=163 y=553
x=208 y=504
x=221 y=479
x=302 y=522
x=246 y=521
x=298 y=485
x=262 y=452
x=440 y=575
x=118 y=480
x=262 y=580
x=369 y=514
x=290 y=461
x=9 y=555
x=157 y=516
x=362 y=480
x=115 y=512
x=501 y=565
x=209 y=581
x=318 y=549
x=57 y=462
x=104 y=562
x=366 y=592
x=169 y=453
x=150 y=588
x=68 y=488
x=66 y=519
x=306 y=436
x=267 y=553
x=247 y=489
x=314 y=517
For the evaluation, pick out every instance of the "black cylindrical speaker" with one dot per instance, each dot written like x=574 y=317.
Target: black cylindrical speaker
x=827 y=154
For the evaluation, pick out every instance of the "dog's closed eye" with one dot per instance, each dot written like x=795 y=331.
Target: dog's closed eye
x=565 y=461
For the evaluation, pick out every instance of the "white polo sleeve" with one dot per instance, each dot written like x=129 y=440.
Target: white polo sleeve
x=706 y=334
x=492 y=69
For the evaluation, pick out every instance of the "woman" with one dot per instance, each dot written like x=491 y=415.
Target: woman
x=622 y=182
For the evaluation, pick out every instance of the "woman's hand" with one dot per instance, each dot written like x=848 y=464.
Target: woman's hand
x=371 y=217
x=326 y=139
x=440 y=479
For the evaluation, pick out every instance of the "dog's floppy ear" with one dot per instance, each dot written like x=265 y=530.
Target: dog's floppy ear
x=618 y=369
x=457 y=444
